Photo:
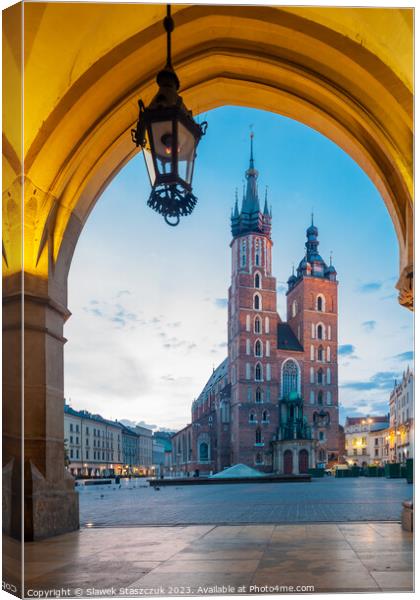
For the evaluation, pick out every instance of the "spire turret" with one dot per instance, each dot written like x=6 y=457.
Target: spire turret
x=312 y=264
x=251 y=219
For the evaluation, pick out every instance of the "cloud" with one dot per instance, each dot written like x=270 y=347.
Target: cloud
x=369 y=326
x=221 y=302
x=346 y=350
x=383 y=380
x=371 y=286
x=122 y=293
x=404 y=356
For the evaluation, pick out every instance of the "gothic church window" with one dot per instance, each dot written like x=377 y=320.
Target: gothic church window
x=204 y=452
x=265 y=416
x=328 y=376
x=258 y=436
x=252 y=417
x=320 y=303
x=243 y=253
x=320 y=353
x=320 y=376
x=320 y=332
x=257 y=325
x=257 y=253
x=258 y=348
x=258 y=372
x=290 y=378
x=320 y=398
x=257 y=280
x=257 y=302
x=258 y=395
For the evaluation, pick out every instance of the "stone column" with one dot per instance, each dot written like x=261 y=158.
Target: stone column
x=36 y=384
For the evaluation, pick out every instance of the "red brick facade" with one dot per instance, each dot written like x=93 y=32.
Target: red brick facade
x=237 y=416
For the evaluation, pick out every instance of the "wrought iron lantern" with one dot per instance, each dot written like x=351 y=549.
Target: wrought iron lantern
x=169 y=136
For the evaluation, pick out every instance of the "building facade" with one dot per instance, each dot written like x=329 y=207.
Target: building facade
x=367 y=440
x=272 y=404
x=401 y=410
x=93 y=445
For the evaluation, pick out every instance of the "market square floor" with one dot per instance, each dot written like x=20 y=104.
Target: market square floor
x=201 y=559
x=328 y=535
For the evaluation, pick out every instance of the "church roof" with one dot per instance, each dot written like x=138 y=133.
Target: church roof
x=286 y=339
x=217 y=374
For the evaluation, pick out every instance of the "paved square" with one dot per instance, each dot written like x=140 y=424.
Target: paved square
x=233 y=559
x=322 y=500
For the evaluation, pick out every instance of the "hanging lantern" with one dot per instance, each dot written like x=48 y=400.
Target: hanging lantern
x=169 y=137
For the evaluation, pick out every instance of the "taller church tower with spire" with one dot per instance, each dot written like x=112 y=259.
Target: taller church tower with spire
x=272 y=404
x=252 y=329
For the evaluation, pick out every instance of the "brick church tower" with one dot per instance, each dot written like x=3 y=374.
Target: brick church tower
x=312 y=315
x=252 y=330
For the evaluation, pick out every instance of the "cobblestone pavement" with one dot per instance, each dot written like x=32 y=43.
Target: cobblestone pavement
x=321 y=500
x=218 y=559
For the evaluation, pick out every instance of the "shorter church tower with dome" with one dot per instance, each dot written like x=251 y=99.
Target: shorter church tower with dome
x=272 y=404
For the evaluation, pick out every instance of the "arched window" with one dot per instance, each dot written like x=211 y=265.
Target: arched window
x=258 y=372
x=243 y=253
x=257 y=280
x=328 y=376
x=320 y=332
x=258 y=436
x=204 y=452
x=290 y=378
x=257 y=324
x=320 y=398
x=258 y=395
x=320 y=376
x=257 y=253
x=320 y=303
x=248 y=323
x=265 y=416
x=252 y=417
x=294 y=308
x=258 y=348
x=321 y=353
x=257 y=302
x=312 y=375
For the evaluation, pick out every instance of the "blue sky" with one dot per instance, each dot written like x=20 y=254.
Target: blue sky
x=148 y=301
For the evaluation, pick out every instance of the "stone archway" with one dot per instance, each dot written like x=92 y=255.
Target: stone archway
x=345 y=72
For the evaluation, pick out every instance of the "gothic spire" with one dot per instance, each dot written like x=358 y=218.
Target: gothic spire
x=251 y=203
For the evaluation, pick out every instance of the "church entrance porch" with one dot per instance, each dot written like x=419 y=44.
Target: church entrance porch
x=293 y=457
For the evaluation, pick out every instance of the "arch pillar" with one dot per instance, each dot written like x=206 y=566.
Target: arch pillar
x=33 y=402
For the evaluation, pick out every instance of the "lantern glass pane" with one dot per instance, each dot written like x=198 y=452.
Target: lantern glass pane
x=148 y=159
x=186 y=153
x=163 y=142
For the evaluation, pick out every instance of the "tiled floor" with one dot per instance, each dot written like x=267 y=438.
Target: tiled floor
x=204 y=558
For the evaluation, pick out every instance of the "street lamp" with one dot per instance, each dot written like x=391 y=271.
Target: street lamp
x=169 y=137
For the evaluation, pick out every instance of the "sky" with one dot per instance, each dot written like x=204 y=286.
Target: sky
x=149 y=302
